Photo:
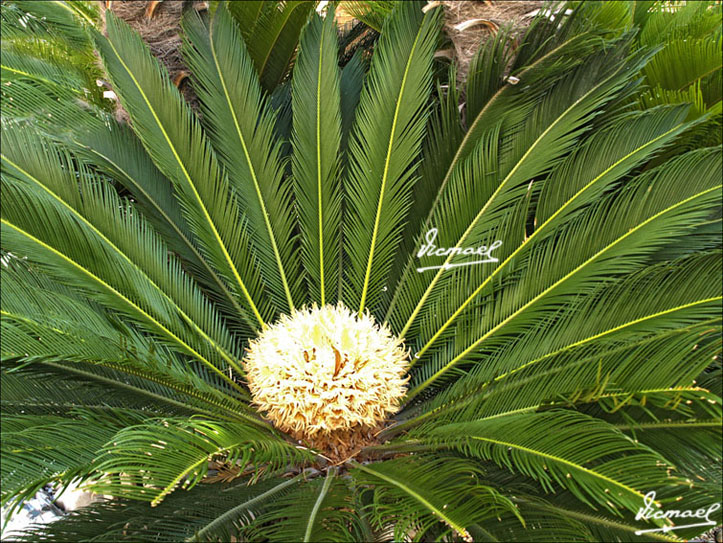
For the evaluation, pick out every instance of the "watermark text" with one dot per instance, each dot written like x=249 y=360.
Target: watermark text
x=430 y=249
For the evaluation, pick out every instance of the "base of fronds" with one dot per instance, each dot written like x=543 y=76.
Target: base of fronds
x=341 y=445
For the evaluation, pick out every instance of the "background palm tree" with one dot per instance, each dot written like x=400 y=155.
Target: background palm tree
x=548 y=392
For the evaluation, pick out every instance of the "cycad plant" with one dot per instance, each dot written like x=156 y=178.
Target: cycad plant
x=47 y=41
x=410 y=323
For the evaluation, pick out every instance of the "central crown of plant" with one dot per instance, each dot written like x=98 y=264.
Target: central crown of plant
x=550 y=391
x=326 y=369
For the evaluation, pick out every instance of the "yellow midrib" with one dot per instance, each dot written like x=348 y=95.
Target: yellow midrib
x=526 y=243
x=438 y=512
x=318 y=163
x=32 y=76
x=560 y=460
x=206 y=215
x=317 y=505
x=221 y=351
x=464 y=353
x=469 y=229
x=386 y=172
x=127 y=301
x=75 y=12
x=252 y=171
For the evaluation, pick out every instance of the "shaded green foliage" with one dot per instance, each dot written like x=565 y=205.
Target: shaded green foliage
x=549 y=391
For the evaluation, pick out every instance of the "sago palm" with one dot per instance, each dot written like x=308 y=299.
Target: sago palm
x=242 y=338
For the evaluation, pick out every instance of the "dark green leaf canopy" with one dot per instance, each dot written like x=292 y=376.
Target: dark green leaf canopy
x=550 y=388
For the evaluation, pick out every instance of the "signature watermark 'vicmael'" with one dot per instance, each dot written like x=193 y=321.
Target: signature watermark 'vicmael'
x=430 y=249
x=652 y=511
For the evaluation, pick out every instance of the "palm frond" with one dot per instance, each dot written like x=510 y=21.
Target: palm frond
x=351 y=82
x=444 y=134
x=57 y=19
x=204 y=513
x=417 y=493
x=18 y=66
x=486 y=72
x=316 y=156
x=596 y=344
x=35 y=178
x=317 y=510
x=112 y=149
x=387 y=136
x=240 y=125
x=51 y=332
x=694 y=60
x=535 y=137
x=645 y=225
x=271 y=31
x=39 y=449
x=372 y=14
x=45 y=389
x=176 y=452
x=181 y=151
x=241 y=511
x=47 y=44
x=550 y=446
x=589 y=525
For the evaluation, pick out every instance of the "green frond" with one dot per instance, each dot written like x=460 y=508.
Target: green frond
x=39 y=449
x=55 y=19
x=318 y=510
x=430 y=496
x=351 y=82
x=372 y=14
x=176 y=452
x=588 y=525
x=280 y=101
x=693 y=415
x=692 y=95
x=271 y=31
x=18 y=66
x=112 y=149
x=550 y=446
x=626 y=227
x=240 y=125
x=181 y=151
x=629 y=141
x=710 y=378
x=486 y=72
x=242 y=511
x=49 y=330
x=535 y=136
x=444 y=134
x=539 y=527
x=46 y=110
x=47 y=44
x=131 y=272
x=207 y=512
x=385 y=143
x=684 y=62
x=46 y=389
x=247 y=14
x=316 y=156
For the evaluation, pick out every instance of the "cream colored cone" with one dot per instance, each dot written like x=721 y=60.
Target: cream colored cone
x=325 y=369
